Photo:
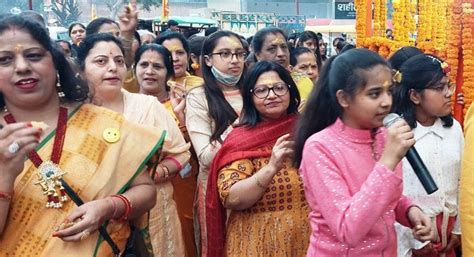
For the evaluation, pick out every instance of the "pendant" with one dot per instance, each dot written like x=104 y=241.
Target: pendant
x=49 y=178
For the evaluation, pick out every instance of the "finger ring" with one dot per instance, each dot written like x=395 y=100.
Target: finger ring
x=85 y=234
x=13 y=148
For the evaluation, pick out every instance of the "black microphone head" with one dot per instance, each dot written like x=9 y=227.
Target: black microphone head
x=390 y=119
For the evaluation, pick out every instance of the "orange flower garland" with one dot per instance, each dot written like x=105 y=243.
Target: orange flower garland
x=403 y=22
x=468 y=53
x=380 y=17
x=454 y=42
x=360 y=21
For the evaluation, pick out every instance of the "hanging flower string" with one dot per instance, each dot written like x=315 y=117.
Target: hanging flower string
x=468 y=53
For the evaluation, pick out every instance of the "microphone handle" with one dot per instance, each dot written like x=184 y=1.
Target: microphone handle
x=421 y=171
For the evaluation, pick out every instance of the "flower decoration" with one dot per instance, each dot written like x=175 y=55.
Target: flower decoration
x=446 y=68
x=397 y=77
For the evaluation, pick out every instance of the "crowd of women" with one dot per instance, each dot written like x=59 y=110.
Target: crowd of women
x=211 y=146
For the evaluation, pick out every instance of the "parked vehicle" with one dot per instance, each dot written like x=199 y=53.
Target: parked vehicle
x=57 y=33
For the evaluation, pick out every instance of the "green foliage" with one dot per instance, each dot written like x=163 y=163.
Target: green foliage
x=67 y=11
x=147 y=4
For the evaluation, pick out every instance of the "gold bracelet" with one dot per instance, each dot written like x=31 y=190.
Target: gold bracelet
x=258 y=182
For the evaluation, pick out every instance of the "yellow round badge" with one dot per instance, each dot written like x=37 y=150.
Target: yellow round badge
x=111 y=135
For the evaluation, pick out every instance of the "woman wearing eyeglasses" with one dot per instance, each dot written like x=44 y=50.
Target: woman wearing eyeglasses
x=423 y=96
x=252 y=176
x=211 y=110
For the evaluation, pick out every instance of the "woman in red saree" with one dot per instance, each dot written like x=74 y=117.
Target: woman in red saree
x=252 y=175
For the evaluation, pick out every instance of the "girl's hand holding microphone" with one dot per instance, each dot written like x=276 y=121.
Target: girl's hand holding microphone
x=399 y=139
x=16 y=141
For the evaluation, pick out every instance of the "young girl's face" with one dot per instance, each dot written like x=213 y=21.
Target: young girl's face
x=310 y=44
x=228 y=56
x=434 y=101
x=371 y=102
x=306 y=64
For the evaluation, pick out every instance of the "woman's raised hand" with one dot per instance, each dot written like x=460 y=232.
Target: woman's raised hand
x=128 y=18
x=178 y=100
x=282 y=149
x=16 y=141
x=400 y=138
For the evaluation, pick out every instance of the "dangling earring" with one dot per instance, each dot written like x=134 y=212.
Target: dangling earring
x=58 y=87
x=195 y=66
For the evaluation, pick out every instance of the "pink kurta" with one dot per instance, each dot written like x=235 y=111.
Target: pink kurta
x=354 y=200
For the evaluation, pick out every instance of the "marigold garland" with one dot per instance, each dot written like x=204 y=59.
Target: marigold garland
x=468 y=53
x=444 y=28
x=454 y=39
x=361 y=13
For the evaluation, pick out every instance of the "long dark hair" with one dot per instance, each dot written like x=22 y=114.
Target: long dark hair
x=418 y=73
x=90 y=41
x=340 y=72
x=73 y=87
x=401 y=55
x=94 y=26
x=219 y=109
x=161 y=50
x=250 y=116
x=310 y=35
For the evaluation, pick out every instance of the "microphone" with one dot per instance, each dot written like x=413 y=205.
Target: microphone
x=414 y=159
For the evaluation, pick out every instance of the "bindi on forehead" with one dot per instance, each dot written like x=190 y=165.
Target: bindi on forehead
x=18 y=48
x=278 y=41
x=233 y=42
x=174 y=48
x=387 y=84
x=268 y=81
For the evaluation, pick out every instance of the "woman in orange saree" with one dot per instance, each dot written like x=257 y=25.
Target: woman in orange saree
x=94 y=151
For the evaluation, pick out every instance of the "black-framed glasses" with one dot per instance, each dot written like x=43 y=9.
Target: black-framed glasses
x=262 y=92
x=227 y=55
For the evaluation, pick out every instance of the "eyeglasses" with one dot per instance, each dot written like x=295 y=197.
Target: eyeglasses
x=445 y=89
x=227 y=55
x=262 y=92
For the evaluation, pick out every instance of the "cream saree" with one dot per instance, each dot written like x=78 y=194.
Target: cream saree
x=165 y=226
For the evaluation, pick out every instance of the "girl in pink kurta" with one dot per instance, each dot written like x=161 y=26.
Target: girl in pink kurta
x=349 y=164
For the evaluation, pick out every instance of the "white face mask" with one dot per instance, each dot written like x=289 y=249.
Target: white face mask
x=225 y=79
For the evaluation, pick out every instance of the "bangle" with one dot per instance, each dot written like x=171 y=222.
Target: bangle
x=6 y=196
x=128 y=207
x=258 y=182
x=165 y=170
x=176 y=162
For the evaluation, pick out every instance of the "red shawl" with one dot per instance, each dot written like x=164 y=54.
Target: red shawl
x=241 y=143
